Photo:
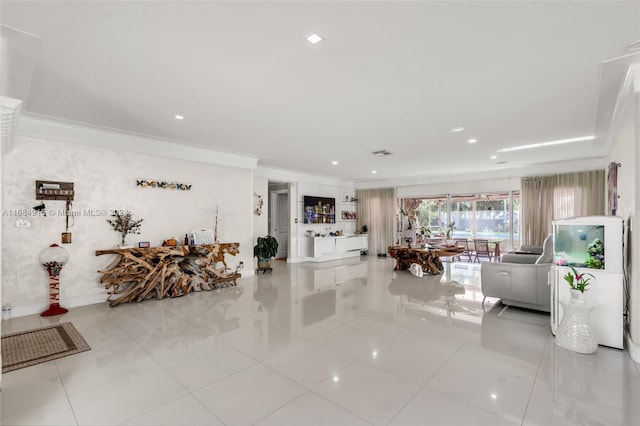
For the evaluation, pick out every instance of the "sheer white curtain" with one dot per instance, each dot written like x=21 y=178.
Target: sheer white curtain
x=376 y=209
x=549 y=197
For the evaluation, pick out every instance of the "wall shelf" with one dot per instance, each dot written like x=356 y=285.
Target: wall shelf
x=54 y=190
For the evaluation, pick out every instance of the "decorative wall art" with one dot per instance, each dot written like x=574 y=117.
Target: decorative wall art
x=162 y=184
x=259 y=204
x=612 y=184
x=349 y=215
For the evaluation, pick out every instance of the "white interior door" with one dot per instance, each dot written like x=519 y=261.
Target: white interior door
x=280 y=222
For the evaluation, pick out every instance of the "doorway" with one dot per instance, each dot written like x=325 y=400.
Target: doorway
x=279 y=220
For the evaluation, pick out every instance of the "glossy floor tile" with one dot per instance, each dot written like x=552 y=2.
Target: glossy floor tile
x=349 y=342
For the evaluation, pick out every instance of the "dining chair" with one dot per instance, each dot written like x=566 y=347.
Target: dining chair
x=464 y=243
x=482 y=249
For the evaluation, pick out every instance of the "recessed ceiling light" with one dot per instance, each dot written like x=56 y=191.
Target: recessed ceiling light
x=455 y=129
x=374 y=172
x=550 y=143
x=179 y=117
x=493 y=157
x=335 y=163
x=314 y=38
x=472 y=140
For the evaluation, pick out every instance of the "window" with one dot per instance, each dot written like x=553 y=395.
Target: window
x=491 y=216
x=431 y=213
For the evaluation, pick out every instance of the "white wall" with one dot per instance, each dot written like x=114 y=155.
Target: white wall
x=499 y=173
x=105 y=179
x=459 y=187
x=301 y=184
x=320 y=190
x=626 y=152
x=1 y=261
x=261 y=222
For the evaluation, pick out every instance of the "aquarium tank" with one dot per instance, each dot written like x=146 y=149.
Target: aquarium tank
x=579 y=246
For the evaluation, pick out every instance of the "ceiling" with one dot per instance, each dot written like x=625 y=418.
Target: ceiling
x=389 y=75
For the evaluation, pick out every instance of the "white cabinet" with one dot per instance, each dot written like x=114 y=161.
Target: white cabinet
x=321 y=249
x=323 y=246
x=605 y=291
x=351 y=243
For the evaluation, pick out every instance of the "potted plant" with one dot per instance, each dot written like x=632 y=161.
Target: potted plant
x=124 y=223
x=424 y=230
x=578 y=283
x=448 y=233
x=264 y=250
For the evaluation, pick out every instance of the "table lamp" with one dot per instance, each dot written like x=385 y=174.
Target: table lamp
x=53 y=258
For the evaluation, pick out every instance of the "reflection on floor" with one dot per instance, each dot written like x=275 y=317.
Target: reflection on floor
x=343 y=343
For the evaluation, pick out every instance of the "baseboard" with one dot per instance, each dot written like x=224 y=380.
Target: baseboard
x=71 y=302
x=335 y=256
x=634 y=350
x=74 y=302
x=297 y=259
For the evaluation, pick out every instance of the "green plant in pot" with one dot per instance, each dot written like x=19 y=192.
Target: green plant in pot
x=449 y=231
x=264 y=250
x=578 y=283
x=424 y=230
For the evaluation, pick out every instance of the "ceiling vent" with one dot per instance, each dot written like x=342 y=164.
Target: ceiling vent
x=381 y=153
x=10 y=113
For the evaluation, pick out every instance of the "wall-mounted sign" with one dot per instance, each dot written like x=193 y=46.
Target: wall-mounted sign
x=143 y=183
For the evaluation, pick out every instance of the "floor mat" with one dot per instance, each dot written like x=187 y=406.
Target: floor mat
x=39 y=345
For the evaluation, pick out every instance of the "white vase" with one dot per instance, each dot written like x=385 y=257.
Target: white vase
x=578 y=296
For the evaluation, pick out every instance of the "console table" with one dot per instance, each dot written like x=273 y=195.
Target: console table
x=322 y=249
x=429 y=259
x=139 y=274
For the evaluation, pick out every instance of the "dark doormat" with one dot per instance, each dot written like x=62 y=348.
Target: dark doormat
x=39 y=345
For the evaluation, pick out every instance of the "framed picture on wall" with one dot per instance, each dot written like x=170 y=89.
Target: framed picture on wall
x=346 y=215
x=612 y=186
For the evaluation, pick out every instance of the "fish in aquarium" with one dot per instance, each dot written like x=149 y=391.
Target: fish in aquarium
x=579 y=246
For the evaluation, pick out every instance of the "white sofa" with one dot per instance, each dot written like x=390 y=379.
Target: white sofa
x=518 y=281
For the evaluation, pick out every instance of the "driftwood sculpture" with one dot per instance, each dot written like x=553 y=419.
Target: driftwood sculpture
x=138 y=274
x=429 y=259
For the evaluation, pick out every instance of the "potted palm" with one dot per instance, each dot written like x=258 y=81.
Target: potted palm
x=264 y=250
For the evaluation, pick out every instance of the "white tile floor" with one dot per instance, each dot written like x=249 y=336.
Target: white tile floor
x=340 y=343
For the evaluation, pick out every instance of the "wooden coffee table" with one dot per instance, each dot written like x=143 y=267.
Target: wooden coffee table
x=428 y=258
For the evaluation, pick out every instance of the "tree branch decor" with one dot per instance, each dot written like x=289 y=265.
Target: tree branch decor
x=124 y=223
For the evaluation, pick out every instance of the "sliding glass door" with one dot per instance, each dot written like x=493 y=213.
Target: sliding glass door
x=494 y=216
